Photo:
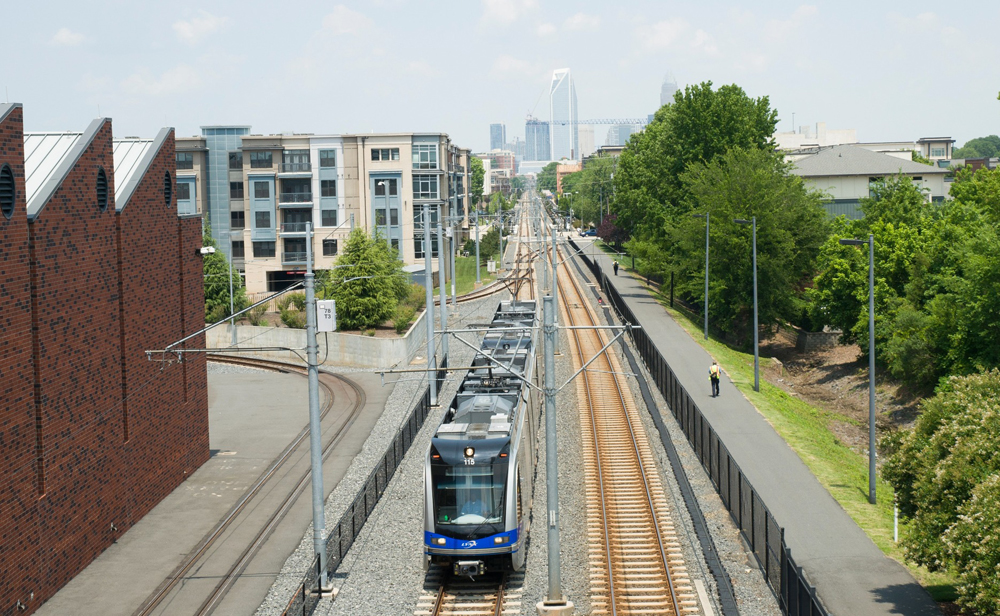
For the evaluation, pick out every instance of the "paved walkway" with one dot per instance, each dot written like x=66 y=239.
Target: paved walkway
x=851 y=575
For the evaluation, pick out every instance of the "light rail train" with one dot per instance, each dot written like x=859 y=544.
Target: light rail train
x=480 y=467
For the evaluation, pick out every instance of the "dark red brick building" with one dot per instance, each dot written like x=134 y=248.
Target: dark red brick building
x=95 y=267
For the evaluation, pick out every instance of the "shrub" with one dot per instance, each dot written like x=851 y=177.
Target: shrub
x=284 y=302
x=293 y=318
x=217 y=313
x=298 y=300
x=256 y=315
x=416 y=297
x=403 y=319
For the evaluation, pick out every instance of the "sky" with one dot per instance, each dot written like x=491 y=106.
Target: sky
x=892 y=70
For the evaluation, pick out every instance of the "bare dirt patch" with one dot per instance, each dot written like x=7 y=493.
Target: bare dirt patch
x=836 y=381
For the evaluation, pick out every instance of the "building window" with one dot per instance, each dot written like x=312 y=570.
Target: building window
x=328 y=218
x=261 y=190
x=937 y=152
x=327 y=159
x=237 y=220
x=238 y=250
x=425 y=156
x=329 y=248
x=394 y=242
x=385 y=154
x=7 y=191
x=183 y=191
x=263 y=249
x=262 y=220
x=380 y=216
x=260 y=160
x=236 y=160
x=168 y=188
x=236 y=190
x=425 y=187
x=185 y=160
x=390 y=185
x=328 y=188
x=394 y=217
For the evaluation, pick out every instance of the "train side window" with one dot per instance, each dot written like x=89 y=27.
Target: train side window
x=520 y=494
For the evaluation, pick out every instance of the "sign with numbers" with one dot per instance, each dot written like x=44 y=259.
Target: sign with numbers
x=326 y=315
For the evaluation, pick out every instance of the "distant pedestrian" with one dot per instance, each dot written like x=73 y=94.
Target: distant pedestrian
x=600 y=301
x=615 y=265
x=713 y=373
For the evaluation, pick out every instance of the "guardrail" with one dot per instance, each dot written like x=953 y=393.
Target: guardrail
x=340 y=539
x=796 y=597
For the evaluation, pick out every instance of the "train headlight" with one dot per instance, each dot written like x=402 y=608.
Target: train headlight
x=469 y=452
x=499 y=539
x=440 y=540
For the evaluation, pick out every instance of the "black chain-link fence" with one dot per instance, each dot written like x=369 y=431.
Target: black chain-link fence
x=796 y=596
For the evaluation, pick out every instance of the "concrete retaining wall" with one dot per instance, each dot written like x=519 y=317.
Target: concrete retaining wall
x=810 y=341
x=335 y=349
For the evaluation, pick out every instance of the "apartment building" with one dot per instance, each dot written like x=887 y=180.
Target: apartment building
x=279 y=183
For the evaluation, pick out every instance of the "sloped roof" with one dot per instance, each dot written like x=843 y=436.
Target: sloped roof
x=852 y=160
x=6 y=108
x=128 y=154
x=48 y=159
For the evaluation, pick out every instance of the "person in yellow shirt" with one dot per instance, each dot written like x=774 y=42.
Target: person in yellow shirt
x=713 y=373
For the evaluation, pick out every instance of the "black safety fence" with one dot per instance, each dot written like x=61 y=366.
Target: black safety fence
x=342 y=536
x=765 y=537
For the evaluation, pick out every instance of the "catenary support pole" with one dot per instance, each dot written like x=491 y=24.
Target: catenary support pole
x=452 y=242
x=429 y=294
x=555 y=286
x=707 y=220
x=442 y=293
x=232 y=309
x=554 y=601
x=756 y=326
x=315 y=432
x=479 y=279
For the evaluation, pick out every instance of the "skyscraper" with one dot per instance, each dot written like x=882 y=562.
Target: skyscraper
x=586 y=137
x=667 y=90
x=536 y=136
x=498 y=136
x=563 y=112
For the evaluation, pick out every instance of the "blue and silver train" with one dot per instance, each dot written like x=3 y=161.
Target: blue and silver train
x=480 y=467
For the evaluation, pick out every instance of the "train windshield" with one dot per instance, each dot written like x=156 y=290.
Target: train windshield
x=469 y=495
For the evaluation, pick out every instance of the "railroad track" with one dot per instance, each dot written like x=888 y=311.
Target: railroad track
x=636 y=562
x=490 y=595
x=247 y=512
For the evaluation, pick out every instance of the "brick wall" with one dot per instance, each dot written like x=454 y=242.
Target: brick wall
x=92 y=435
x=18 y=490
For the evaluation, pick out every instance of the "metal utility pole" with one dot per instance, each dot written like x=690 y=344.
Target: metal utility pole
x=451 y=259
x=232 y=310
x=555 y=598
x=479 y=280
x=442 y=293
x=706 y=216
x=429 y=291
x=555 y=284
x=871 y=359
x=315 y=434
x=756 y=351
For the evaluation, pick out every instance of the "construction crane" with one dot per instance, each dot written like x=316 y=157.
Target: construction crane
x=602 y=121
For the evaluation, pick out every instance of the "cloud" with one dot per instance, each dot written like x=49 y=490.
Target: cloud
x=198 y=27
x=582 y=21
x=778 y=31
x=178 y=79
x=66 y=38
x=346 y=21
x=705 y=43
x=545 y=29
x=506 y=66
x=419 y=67
x=505 y=12
x=661 y=35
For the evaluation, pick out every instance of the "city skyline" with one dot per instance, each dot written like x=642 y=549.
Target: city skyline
x=356 y=70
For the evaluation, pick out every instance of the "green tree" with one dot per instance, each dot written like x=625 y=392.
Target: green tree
x=367 y=281
x=701 y=125
x=478 y=171
x=218 y=275
x=547 y=177
x=980 y=147
x=946 y=472
x=791 y=226
x=489 y=245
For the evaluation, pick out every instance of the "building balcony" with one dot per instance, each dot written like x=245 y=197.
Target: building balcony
x=295 y=197
x=296 y=167
x=296 y=257
x=293 y=228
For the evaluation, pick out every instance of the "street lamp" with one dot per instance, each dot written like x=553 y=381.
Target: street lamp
x=756 y=353
x=871 y=358
x=706 y=217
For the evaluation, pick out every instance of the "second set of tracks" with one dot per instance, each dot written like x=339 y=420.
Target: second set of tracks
x=258 y=512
